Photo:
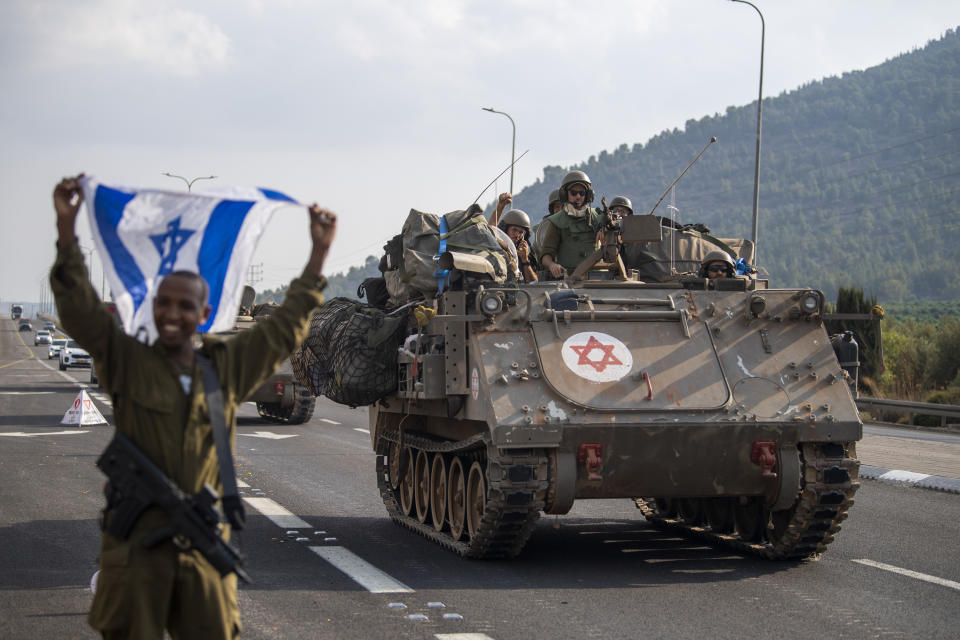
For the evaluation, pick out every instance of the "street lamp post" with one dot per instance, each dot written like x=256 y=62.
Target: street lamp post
x=513 y=144
x=189 y=183
x=103 y=276
x=756 y=169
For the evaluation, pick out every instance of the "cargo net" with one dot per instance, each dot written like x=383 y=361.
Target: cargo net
x=350 y=354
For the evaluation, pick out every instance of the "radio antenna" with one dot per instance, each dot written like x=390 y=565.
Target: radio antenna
x=712 y=140
x=509 y=166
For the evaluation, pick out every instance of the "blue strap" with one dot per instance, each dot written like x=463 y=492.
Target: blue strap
x=442 y=275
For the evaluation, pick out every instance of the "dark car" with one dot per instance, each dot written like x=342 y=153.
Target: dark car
x=25 y=325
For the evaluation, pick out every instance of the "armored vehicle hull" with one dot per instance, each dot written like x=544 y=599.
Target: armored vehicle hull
x=281 y=399
x=718 y=410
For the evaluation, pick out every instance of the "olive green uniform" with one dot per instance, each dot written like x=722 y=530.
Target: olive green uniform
x=569 y=239
x=140 y=591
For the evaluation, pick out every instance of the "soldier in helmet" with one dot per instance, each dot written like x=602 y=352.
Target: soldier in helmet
x=554 y=204
x=716 y=264
x=621 y=206
x=516 y=224
x=570 y=234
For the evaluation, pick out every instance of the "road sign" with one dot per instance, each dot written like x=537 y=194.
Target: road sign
x=83 y=411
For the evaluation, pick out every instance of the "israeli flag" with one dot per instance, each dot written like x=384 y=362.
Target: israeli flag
x=144 y=234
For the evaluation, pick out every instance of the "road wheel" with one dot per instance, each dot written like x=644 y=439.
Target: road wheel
x=476 y=498
x=666 y=507
x=457 y=499
x=691 y=510
x=395 y=462
x=749 y=517
x=63 y=367
x=720 y=514
x=421 y=486
x=438 y=491
x=406 y=481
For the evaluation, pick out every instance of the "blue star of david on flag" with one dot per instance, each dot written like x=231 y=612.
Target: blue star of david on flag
x=144 y=234
x=169 y=243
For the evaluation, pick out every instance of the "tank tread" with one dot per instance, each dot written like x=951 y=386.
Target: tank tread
x=831 y=477
x=516 y=493
x=302 y=410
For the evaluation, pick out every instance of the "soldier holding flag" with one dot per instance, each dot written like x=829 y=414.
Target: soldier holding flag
x=160 y=404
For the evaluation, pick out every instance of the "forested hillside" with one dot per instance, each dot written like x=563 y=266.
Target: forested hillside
x=859 y=179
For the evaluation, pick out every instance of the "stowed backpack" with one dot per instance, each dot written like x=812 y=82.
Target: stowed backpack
x=409 y=265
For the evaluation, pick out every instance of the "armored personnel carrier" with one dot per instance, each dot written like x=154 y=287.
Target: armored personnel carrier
x=718 y=406
x=281 y=399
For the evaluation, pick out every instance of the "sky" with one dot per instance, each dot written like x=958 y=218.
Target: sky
x=374 y=107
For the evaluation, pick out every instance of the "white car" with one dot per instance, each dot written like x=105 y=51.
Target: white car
x=42 y=337
x=73 y=355
x=55 y=346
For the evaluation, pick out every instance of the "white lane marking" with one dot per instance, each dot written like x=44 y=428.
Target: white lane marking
x=21 y=434
x=462 y=636
x=360 y=571
x=269 y=435
x=62 y=374
x=25 y=393
x=242 y=484
x=943 y=582
x=366 y=431
x=328 y=421
x=904 y=476
x=277 y=514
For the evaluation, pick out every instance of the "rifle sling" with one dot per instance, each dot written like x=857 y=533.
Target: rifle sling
x=230 y=499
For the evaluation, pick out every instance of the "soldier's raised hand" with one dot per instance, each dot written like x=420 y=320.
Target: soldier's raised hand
x=67 y=198
x=323 y=227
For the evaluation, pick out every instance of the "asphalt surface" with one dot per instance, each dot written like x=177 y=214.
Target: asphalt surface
x=599 y=572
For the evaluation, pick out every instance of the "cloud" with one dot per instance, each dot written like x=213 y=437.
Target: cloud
x=114 y=33
x=457 y=30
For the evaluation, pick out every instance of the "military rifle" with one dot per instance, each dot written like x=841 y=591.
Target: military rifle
x=136 y=483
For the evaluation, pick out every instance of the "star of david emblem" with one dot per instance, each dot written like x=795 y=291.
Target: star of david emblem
x=169 y=244
x=592 y=344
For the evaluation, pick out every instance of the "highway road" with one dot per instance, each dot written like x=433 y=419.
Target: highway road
x=328 y=563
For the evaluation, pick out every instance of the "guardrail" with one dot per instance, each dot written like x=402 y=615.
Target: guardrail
x=910 y=408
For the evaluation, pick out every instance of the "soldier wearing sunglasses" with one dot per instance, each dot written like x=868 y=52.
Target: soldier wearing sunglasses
x=570 y=234
x=716 y=264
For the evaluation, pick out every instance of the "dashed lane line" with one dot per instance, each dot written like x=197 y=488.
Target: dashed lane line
x=462 y=636
x=366 y=431
x=360 y=571
x=277 y=514
x=62 y=374
x=910 y=479
x=327 y=420
x=355 y=567
x=943 y=582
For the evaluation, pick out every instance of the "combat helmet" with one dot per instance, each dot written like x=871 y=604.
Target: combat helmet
x=716 y=256
x=622 y=201
x=554 y=197
x=516 y=218
x=572 y=178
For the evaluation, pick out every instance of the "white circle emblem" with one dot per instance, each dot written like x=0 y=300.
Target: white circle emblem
x=598 y=357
